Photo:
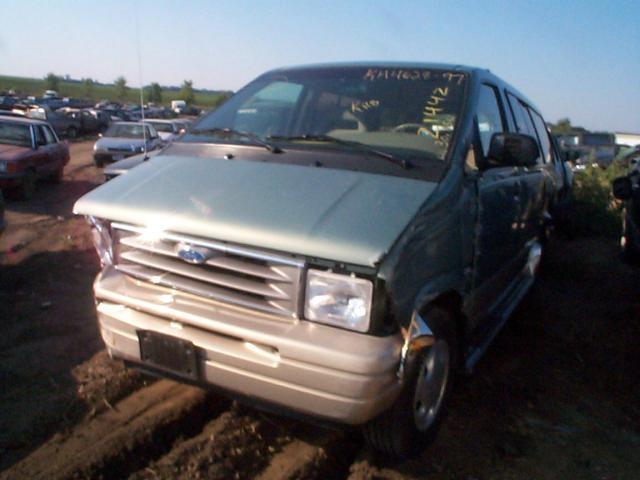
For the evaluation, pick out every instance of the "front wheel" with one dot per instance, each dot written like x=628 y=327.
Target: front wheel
x=72 y=132
x=28 y=186
x=413 y=421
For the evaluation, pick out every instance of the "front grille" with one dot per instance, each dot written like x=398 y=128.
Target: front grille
x=230 y=274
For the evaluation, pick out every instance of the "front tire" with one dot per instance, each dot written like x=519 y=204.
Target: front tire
x=414 y=419
x=28 y=186
x=72 y=133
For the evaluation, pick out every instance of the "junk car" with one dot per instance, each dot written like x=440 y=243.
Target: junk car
x=336 y=241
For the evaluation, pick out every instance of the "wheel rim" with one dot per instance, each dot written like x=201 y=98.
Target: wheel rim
x=431 y=385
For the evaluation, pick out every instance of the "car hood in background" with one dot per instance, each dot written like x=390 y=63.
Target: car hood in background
x=123 y=166
x=346 y=216
x=119 y=143
x=12 y=152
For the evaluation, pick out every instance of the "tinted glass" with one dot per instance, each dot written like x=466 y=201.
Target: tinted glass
x=410 y=113
x=521 y=117
x=524 y=124
x=15 y=134
x=543 y=135
x=489 y=117
x=163 y=127
x=125 y=131
x=48 y=134
x=593 y=139
x=40 y=140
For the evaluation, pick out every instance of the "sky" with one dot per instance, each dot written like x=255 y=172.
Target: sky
x=575 y=59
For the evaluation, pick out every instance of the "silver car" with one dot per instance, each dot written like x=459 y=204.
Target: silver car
x=168 y=130
x=124 y=139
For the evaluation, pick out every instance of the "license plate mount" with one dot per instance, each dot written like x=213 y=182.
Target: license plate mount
x=172 y=354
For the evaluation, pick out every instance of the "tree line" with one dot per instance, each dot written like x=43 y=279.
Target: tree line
x=152 y=92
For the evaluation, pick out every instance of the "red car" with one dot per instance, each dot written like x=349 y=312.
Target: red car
x=29 y=150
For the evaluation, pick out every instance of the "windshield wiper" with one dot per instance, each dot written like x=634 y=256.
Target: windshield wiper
x=229 y=131
x=350 y=143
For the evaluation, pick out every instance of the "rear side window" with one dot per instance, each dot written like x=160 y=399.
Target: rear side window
x=40 y=140
x=48 y=135
x=489 y=116
x=543 y=136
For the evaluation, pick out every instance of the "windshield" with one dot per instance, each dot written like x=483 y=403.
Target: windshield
x=162 y=127
x=124 y=131
x=15 y=134
x=410 y=113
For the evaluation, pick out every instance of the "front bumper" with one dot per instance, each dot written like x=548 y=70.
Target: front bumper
x=309 y=368
x=104 y=157
x=11 y=180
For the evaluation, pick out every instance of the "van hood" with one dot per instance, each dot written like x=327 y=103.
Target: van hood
x=340 y=215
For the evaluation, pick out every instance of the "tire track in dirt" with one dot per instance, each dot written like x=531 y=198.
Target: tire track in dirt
x=233 y=445
x=123 y=439
x=246 y=443
x=314 y=454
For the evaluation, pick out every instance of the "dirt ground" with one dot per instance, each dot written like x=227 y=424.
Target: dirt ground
x=555 y=397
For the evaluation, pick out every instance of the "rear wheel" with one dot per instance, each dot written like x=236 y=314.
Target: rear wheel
x=413 y=421
x=72 y=132
x=28 y=186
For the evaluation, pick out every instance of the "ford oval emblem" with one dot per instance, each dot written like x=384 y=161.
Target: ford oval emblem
x=192 y=254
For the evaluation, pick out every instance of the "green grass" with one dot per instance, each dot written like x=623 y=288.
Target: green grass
x=36 y=87
x=596 y=212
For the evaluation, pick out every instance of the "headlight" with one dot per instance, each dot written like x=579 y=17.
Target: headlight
x=341 y=300
x=3 y=166
x=101 y=240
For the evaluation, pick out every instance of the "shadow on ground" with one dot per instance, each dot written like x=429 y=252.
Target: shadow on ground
x=48 y=327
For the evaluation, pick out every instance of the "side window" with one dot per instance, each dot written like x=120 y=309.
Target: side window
x=40 y=140
x=543 y=136
x=48 y=134
x=523 y=120
x=555 y=150
x=521 y=117
x=489 y=117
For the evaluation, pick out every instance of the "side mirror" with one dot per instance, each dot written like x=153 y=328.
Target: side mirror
x=622 y=188
x=512 y=150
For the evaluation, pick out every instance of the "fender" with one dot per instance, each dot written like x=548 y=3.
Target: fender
x=423 y=328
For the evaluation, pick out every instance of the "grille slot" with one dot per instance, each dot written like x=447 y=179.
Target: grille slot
x=231 y=274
